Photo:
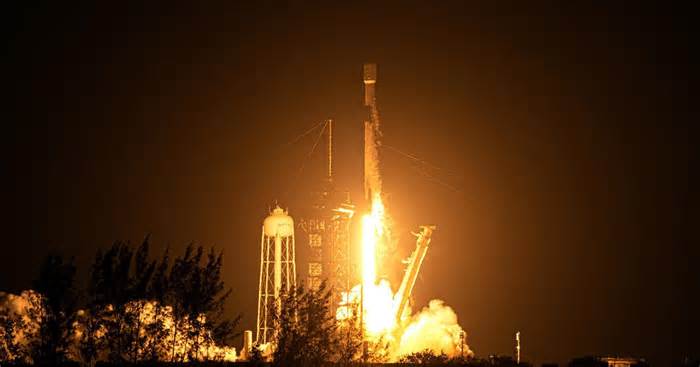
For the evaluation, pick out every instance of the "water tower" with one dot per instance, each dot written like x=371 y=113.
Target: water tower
x=277 y=269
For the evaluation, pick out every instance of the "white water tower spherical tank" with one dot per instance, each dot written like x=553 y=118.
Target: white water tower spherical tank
x=278 y=223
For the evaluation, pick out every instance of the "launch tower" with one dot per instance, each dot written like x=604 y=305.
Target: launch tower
x=328 y=232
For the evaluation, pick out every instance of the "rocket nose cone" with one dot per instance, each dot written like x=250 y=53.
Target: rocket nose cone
x=369 y=72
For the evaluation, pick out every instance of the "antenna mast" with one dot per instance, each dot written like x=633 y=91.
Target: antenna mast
x=329 y=122
x=517 y=347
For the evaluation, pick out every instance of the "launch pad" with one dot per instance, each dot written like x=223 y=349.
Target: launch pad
x=358 y=286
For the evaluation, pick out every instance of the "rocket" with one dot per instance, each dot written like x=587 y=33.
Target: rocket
x=369 y=76
x=372 y=178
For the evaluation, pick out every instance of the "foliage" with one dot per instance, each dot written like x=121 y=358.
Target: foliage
x=55 y=284
x=307 y=333
x=350 y=339
x=191 y=288
x=10 y=347
x=425 y=357
x=135 y=309
x=588 y=361
x=377 y=351
x=256 y=356
x=196 y=289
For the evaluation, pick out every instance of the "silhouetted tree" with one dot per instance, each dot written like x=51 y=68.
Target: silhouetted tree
x=89 y=344
x=180 y=294
x=110 y=291
x=197 y=293
x=464 y=360
x=256 y=357
x=587 y=362
x=157 y=292
x=504 y=360
x=349 y=332
x=426 y=356
x=211 y=301
x=307 y=333
x=137 y=300
x=136 y=309
x=55 y=284
x=119 y=284
x=376 y=351
x=477 y=362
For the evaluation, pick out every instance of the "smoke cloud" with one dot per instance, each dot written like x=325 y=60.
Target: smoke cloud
x=23 y=311
x=139 y=317
x=434 y=328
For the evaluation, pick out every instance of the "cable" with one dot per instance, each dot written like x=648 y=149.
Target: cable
x=311 y=152
x=421 y=168
x=437 y=180
x=307 y=132
x=416 y=159
x=313 y=148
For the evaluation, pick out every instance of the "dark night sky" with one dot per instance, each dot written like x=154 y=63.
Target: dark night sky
x=566 y=131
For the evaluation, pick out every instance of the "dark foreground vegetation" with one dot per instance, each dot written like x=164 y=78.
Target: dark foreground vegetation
x=184 y=297
x=474 y=362
x=136 y=311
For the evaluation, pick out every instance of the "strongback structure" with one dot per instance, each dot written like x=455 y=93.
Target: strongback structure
x=328 y=234
x=413 y=264
x=277 y=269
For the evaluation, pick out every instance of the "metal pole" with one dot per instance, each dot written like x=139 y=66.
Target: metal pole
x=287 y=282
x=362 y=322
x=294 y=262
x=260 y=283
x=517 y=347
x=330 y=149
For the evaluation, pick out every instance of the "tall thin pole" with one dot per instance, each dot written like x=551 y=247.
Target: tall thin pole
x=260 y=284
x=362 y=322
x=517 y=347
x=329 y=122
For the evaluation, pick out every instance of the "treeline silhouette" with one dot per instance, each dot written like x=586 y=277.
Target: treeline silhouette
x=170 y=311
x=134 y=309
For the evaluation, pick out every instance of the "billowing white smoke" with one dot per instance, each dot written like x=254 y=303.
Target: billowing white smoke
x=18 y=305
x=176 y=339
x=434 y=328
x=23 y=312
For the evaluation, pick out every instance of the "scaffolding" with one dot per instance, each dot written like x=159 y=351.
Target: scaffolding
x=328 y=233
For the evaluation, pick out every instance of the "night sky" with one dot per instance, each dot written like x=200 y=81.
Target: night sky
x=562 y=136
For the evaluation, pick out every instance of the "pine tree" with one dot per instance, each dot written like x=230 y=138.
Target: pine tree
x=198 y=295
x=307 y=332
x=425 y=357
x=158 y=289
x=55 y=284
x=137 y=301
x=110 y=291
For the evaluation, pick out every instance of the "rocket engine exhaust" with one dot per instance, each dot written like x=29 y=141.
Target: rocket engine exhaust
x=385 y=316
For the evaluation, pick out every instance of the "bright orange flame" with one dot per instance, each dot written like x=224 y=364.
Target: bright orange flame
x=378 y=300
x=372 y=231
x=434 y=328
